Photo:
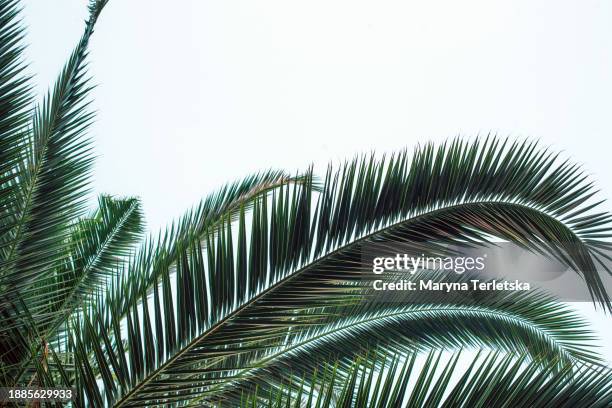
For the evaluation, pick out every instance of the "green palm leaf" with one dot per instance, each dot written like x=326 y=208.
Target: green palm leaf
x=297 y=262
x=490 y=381
x=55 y=172
x=99 y=244
x=532 y=324
x=48 y=185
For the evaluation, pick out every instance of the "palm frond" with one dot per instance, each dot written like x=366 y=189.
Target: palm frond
x=50 y=184
x=294 y=258
x=56 y=169
x=493 y=380
x=532 y=324
x=100 y=244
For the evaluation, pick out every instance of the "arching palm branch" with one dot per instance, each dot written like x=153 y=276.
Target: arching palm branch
x=295 y=264
x=269 y=269
x=491 y=381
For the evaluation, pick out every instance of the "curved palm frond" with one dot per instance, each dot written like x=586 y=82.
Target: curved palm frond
x=491 y=381
x=56 y=168
x=49 y=191
x=101 y=243
x=532 y=324
x=288 y=265
x=98 y=245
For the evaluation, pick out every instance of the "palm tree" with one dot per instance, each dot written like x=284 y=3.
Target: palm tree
x=258 y=296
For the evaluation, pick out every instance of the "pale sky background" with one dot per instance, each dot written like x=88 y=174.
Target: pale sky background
x=192 y=94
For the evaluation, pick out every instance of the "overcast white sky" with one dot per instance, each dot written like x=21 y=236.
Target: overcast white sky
x=193 y=94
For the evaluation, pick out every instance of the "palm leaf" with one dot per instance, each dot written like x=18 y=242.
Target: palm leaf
x=294 y=266
x=532 y=324
x=99 y=244
x=50 y=183
x=57 y=163
x=491 y=381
